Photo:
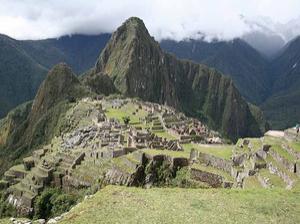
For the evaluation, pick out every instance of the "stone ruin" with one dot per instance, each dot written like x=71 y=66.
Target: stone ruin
x=102 y=139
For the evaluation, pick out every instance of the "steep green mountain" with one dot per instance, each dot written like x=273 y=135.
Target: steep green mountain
x=139 y=68
x=24 y=64
x=283 y=107
x=37 y=122
x=236 y=58
x=20 y=75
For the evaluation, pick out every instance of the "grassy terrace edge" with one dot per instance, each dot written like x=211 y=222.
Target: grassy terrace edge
x=115 y=204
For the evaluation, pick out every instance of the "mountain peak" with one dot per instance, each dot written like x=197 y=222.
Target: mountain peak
x=134 y=21
x=129 y=39
x=132 y=29
x=133 y=24
x=60 y=83
x=138 y=67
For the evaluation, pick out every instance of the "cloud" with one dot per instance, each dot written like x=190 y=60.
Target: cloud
x=175 y=19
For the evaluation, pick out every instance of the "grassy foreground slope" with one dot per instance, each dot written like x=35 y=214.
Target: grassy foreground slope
x=116 y=204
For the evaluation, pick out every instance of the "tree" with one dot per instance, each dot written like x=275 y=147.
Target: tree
x=126 y=120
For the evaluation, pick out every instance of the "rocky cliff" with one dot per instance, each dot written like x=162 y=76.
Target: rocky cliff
x=138 y=67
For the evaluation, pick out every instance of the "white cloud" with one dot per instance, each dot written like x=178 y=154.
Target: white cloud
x=176 y=19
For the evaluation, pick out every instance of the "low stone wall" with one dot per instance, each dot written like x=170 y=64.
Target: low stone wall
x=212 y=179
x=297 y=168
x=291 y=151
x=216 y=162
x=130 y=163
x=118 y=177
x=179 y=162
x=129 y=149
x=281 y=174
x=108 y=154
x=69 y=183
x=263 y=181
x=239 y=159
x=287 y=164
x=57 y=179
x=28 y=163
x=78 y=160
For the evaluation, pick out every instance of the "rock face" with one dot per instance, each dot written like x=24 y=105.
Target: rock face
x=138 y=67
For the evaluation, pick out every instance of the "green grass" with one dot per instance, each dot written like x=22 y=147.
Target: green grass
x=126 y=110
x=283 y=153
x=276 y=146
x=295 y=146
x=19 y=168
x=170 y=153
x=222 y=151
x=275 y=180
x=119 y=162
x=270 y=159
x=256 y=144
x=165 y=134
x=115 y=204
x=252 y=183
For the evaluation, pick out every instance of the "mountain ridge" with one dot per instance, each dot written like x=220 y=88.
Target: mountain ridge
x=236 y=58
x=139 y=68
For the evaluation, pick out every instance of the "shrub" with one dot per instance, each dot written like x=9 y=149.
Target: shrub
x=183 y=179
x=53 y=202
x=126 y=120
x=62 y=203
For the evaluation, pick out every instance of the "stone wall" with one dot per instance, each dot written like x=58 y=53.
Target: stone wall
x=291 y=151
x=118 y=177
x=287 y=164
x=212 y=179
x=69 y=183
x=286 y=178
x=22 y=205
x=216 y=162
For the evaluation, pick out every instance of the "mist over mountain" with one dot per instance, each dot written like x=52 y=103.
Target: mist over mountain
x=269 y=37
x=282 y=107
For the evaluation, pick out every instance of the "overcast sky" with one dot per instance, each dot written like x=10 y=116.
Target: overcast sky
x=175 y=19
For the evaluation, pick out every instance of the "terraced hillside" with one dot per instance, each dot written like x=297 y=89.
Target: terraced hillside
x=100 y=148
x=128 y=142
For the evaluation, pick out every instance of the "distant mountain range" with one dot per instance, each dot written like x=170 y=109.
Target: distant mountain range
x=271 y=84
x=235 y=58
x=24 y=64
